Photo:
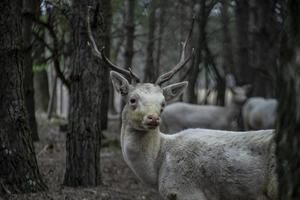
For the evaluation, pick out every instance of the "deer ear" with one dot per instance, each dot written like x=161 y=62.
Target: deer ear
x=175 y=90
x=120 y=83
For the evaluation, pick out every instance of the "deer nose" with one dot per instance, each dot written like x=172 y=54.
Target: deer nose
x=153 y=120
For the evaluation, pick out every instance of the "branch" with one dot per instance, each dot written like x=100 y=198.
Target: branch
x=183 y=60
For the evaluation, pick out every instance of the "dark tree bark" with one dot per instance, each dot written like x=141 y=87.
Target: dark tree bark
x=86 y=94
x=212 y=68
x=129 y=32
x=28 y=8
x=105 y=8
x=265 y=47
x=243 y=69
x=227 y=55
x=52 y=104
x=18 y=166
x=129 y=37
x=41 y=88
x=193 y=75
x=288 y=124
x=151 y=70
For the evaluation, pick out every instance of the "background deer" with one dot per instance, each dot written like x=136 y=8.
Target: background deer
x=259 y=113
x=180 y=116
x=196 y=164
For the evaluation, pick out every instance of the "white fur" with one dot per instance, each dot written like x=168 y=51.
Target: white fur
x=179 y=116
x=259 y=113
x=196 y=164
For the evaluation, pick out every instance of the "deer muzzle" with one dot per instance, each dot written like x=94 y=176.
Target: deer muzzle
x=152 y=121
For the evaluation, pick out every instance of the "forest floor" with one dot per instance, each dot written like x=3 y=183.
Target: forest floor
x=118 y=181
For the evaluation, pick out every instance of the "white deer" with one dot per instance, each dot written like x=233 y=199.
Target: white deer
x=259 y=113
x=179 y=116
x=196 y=164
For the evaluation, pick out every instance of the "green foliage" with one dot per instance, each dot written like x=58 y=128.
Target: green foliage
x=39 y=67
x=52 y=33
x=140 y=15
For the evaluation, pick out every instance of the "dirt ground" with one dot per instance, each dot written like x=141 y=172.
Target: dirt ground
x=118 y=181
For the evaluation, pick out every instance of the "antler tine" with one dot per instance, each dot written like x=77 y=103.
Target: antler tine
x=167 y=76
x=132 y=77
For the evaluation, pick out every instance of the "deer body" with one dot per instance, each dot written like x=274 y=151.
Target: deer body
x=180 y=116
x=202 y=164
x=259 y=113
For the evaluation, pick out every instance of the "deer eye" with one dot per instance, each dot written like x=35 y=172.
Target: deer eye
x=132 y=101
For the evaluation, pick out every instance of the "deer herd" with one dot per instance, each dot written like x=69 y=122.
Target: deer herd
x=201 y=157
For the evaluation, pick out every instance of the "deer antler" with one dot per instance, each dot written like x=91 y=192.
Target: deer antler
x=183 y=60
x=132 y=77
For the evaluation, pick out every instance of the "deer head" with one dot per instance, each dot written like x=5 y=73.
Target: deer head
x=240 y=94
x=144 y=101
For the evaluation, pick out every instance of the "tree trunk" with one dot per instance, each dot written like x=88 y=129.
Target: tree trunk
x=52 y=104
x=129 y=33
x=18 y=166
x=243 y=70
x=193 y=77
x=151 y=70
x=129 y=37
x=265 y=47
x=105 y=8
x=86 y=94
x=227 y=55
x=28 y=12
x=288 y=124
x=161 y=28
x=41 y=88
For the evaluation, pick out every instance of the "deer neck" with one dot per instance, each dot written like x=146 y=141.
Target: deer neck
x=141 y=151
x=233 y=110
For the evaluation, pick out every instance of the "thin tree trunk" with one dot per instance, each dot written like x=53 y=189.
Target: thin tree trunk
x=181 y=23
x=86 y=94
x=192 y=94
x=129 y=37
x=210 y=63
x=161 y=29
x=243 y=69
x=265 y=47
x=52 y=99
x=151 y=70
x=18 y=166
x=28 y=13
x=41 y=88
x=129 y=32
x=227 y=55
x=288 y=123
